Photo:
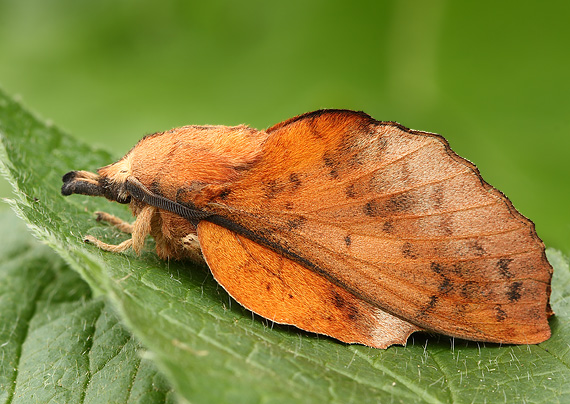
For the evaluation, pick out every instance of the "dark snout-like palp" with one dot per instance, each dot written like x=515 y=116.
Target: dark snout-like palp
x=87 y=183
x=81 y=182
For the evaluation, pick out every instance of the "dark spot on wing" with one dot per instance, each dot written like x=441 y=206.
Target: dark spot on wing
x=477 y=248
x=349 y=191
x=272 y=189
x=371 y=208
x=432 y=302
x=469 y=290
x=338 y=300
x=536 y=314
x=445 y=286
x=387 y=227
x=355 y=160
x=268 y=286
x=463 y=270
x=503 y=266
x=514 y=291
x=289 y=205
x=458 y=269
x=331 y=163
x=400 y=203
x=429 y=307
x=294 y=180
x=352 y=312
x=296 y=222
x=409 y=251
x=348 y=240
x=436 y=267
x=500 y=314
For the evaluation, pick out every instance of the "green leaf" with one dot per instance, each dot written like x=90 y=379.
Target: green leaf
x=212 y=350
x=57 y=342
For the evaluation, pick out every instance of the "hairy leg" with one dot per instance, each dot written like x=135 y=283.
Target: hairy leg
x=139 y=230
x=120 y=224
x=116 y=248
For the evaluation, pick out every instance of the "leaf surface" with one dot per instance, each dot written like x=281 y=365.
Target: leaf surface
x=58 y=343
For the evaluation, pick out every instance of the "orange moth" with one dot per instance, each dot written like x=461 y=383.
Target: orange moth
x=336 y=223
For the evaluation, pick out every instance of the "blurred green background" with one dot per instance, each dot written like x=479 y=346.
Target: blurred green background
x=492 y=77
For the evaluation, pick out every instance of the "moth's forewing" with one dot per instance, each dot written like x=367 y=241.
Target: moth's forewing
x=398 y=220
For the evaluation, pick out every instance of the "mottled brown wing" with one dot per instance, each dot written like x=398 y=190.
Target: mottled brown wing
x=285 y=292
x=398 y=220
